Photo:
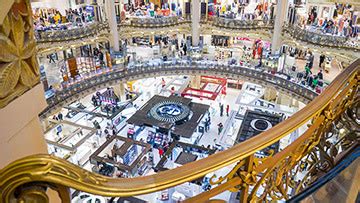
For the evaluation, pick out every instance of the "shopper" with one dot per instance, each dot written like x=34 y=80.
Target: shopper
x=221 y=110
x=161 y=152
x=60 y=116
x=51 y=58
x=227 y=110
x=320 y=75
x=151 y=158
x=311 y=60
x=114 y=130
x=315 y=82
x=207 y=124
x=220 y=128
x=163 y=83
x=307 y=72
x=321 y=60
x=172 y=90
x=184 y=49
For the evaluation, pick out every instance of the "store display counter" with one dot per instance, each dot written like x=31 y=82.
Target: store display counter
x=75 y=136
x=189 y=152
x=125 y=154
x=70 y=141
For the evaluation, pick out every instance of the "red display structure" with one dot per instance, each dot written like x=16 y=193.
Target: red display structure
x=203 y=93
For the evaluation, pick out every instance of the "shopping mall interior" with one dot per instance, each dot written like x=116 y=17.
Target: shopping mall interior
x=167 y=101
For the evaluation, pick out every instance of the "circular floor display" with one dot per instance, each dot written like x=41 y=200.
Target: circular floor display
x=260 y=124
x=170 y=111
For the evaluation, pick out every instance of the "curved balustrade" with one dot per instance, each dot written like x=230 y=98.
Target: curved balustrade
x=180 y=67
x=239 y=24
x=320 y=39
x=259 y=179
x=154 y=22
x=71 y=34
x=148 y=22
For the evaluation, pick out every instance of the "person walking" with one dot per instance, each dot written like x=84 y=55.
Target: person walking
x=227 y=110
x=307 y=72
x=51 y=58
x=321 y=60
x=220 y=128
x=161 y=152
x=172 y=91
x=221 y=110
x=163 y=83
x=320 y=75
x=206 y=125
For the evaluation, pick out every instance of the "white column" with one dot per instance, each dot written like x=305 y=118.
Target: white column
x=207 y=9
x=119 y=91
x=279 y=22
x=331 y=12
x=195 y=81
x=195 y=22
x=111 y=16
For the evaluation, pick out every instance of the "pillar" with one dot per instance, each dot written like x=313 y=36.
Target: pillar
x=119 y=90
x=97 y=12
x=111 y=16
x=331 y=12
x=207 y=9
x=281 y=9
x=195 y=22
x=195 y=81
x=21 y=93
x=284 y=99
x=270 y=94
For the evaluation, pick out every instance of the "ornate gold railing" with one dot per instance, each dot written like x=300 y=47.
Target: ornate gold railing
x=25 y=178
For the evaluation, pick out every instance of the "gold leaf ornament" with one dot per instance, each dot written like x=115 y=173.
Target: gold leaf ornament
x=27 y=76
x=19 y=69
x=8 y=50
x=9 y=76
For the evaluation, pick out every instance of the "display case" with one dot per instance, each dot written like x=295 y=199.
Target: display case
x=156 y=139
x=119 y=121
x=133 y=131
x=66 y=140
x=123 y=153
x=236 y=84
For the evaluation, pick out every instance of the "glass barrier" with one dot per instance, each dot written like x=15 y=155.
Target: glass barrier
x=321 y=39
x=240 y=23
x=70 y=34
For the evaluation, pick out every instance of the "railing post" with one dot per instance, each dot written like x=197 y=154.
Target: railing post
x=244 y=192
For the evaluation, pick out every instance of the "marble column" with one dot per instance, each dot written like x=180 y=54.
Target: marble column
x=279 y=22
x=111 y=16
x=119 y=90
x=195 y=81
x=195 y=22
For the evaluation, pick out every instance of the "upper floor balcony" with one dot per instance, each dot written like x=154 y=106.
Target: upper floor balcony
x=239 y=23
x=68 y=32
x=319 y=38
x=152 y=22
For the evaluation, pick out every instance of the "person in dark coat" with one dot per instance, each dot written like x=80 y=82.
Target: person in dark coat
x=221 y=109
x=322 y=59
x=320 y=75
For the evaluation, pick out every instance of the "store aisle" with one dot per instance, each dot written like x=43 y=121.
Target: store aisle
x=212 y=137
